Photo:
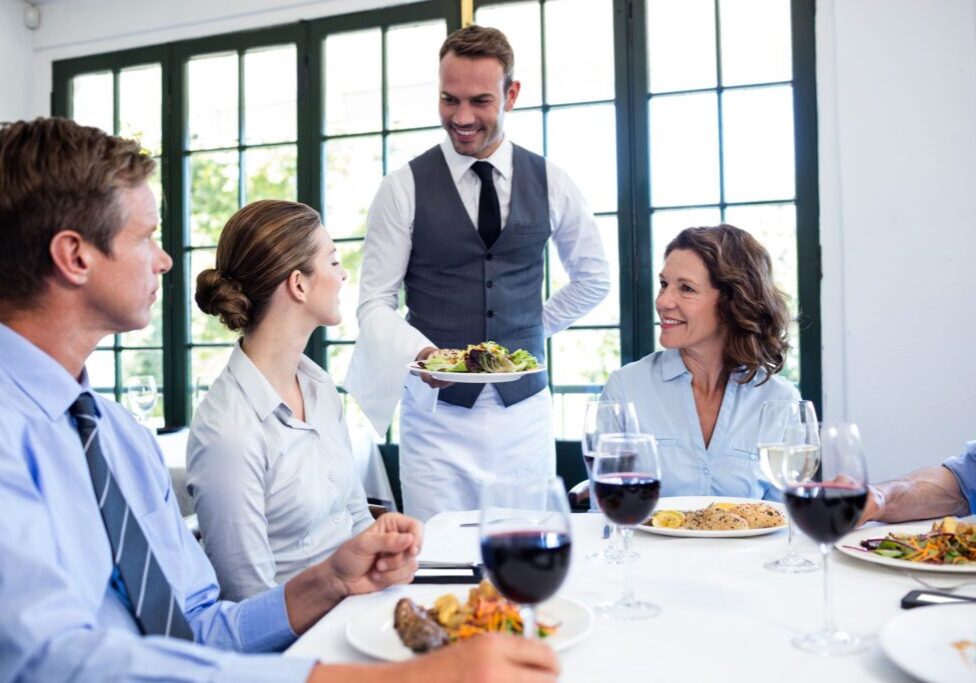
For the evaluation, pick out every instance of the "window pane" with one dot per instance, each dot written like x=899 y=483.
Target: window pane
x=203 y=327
x=152 y=334
x=583 y=142
x=684 y=150
x=756 y=41
x=101 y=369
x=207 y=363
x=270 y=95
x=524 y=128
x=146 y=363
x=665 y=226
x=141 y=106
x=579 y=69
x=92 y=98
x=338 y=357
x=411 y=68
x=212 y=95
x=351 y=256
x=353 y=97
x=402 y=147
x=353 y=170
x=681 y=44
x=520 y=22
x=584 y=356
x=758 y=144
x=272 y=173
x=607 y=311
x=213 y=194
x=567 y=415
x=774 y=225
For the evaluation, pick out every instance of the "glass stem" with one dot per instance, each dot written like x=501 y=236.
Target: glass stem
x=828 y=608
x=628 y=596
x=529 y=628
x=790 y=548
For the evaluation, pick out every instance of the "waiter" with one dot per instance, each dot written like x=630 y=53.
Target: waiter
x=463 y=228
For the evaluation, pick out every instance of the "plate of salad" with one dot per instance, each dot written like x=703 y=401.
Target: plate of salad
x=943 y=545
x=484 y=363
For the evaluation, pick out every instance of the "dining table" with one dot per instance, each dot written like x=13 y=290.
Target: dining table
x=723 y=616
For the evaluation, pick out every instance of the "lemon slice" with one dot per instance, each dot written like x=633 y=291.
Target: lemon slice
x=668 y=519
x=723 y=506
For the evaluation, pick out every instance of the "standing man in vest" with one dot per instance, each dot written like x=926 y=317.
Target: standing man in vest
x=463 y=228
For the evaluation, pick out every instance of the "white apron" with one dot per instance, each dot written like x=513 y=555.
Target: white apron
x=446 y=454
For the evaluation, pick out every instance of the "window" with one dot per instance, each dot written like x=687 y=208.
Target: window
x=666 y=114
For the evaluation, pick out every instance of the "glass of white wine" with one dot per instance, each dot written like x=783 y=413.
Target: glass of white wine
x=789 y=454
x=141 y=395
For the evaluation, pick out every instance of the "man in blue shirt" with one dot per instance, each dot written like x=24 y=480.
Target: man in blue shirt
x=946 y=489
x=99 y=578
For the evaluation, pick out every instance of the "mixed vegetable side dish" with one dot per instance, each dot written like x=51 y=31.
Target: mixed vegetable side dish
x=484 y=357
x=949 y=542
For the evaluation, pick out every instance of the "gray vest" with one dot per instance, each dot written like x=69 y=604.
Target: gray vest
x=459 y=292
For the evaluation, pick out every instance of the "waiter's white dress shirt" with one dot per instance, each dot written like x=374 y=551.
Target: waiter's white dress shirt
x=443 y=459
x=273 y=494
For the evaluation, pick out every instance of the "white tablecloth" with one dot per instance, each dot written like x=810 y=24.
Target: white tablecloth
x=724 y=617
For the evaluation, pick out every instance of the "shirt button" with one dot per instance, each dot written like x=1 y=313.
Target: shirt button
x=331 y=476
x=705 y=470
x=489 y=284
x=488 y=257
x=490 y=314
x=334 y=519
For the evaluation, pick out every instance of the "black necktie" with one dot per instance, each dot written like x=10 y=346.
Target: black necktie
x=489 y=214
x=150 y=595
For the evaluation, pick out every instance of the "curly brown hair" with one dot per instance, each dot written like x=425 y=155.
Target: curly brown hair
x=754 y=312
x=474 y=41
x=57 y=175
x=261 y=245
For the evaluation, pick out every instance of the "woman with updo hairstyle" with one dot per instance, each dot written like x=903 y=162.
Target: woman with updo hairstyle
x=724 y=337
x=269 y=461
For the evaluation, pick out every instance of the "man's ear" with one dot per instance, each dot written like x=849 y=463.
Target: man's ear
x=512 y=94
x=72 y=257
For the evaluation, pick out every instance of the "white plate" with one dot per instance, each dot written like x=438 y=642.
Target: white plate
x=372 y=632
x=474 y=377
x=851 y=543
x=686 y=503
x=920 y=641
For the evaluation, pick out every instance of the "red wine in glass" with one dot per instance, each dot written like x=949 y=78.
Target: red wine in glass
x=627 y=498
x=826 y=511
x=527 y=567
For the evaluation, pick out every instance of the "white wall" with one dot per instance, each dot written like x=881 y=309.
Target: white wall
x=897 y=98
x=16 y=57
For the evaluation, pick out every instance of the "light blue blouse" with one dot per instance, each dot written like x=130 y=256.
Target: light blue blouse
x=963 y=466
x=660 y=387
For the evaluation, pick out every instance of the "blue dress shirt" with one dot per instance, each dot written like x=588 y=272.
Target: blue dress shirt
x=963 y=466
x=61 y=617
x=659 y=385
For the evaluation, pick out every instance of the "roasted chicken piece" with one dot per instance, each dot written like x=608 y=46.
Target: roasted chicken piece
x=416 y=628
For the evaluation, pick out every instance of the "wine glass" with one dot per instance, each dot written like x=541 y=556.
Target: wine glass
x=526 y=541
x=141 y=394
x=826 y=507
x=789 y=443
x=627 y=483
x=605 y=417
x=201 y=385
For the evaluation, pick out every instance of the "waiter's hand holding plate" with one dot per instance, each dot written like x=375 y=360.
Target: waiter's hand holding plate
x=426 y=377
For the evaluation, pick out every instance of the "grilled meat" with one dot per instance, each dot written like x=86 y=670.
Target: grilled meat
x=416 y=628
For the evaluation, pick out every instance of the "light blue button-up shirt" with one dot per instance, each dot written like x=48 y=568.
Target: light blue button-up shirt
x=60 y=617
x=659 y=385
x=963 y=466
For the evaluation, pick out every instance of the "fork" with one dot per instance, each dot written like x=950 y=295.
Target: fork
x=948 y=589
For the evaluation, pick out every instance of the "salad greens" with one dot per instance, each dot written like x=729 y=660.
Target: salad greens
x=484 y=357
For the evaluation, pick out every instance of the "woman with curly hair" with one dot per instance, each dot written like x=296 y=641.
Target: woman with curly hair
x=724 y=333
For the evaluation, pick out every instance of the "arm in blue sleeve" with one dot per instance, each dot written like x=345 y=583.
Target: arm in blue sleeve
x=49 y=632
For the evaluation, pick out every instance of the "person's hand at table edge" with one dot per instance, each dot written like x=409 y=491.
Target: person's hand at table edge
x=427 y=379
x=383 y=555
x=493 y=657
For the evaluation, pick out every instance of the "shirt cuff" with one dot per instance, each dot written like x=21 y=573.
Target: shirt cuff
x=264 y=669
x=963 y=468
x=264 y=622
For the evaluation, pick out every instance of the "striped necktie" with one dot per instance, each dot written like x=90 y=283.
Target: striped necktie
x=151 y=598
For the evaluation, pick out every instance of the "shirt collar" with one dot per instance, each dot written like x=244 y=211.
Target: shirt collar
x=459 y=164
x=671 y=365
x=256 y=387
x=39 y=376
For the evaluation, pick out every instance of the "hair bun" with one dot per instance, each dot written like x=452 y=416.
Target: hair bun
x=220 y=295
